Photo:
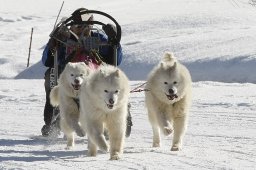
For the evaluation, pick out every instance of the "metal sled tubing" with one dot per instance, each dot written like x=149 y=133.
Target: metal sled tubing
x=56 y=70
x=118 y=27
x=118 y=33
x=115 y=55
x=56 y=67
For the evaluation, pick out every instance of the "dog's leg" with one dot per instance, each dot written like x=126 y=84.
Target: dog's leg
x=70 y=140
x=164 y=124
x=160 y=118
x=68 y=133
x=101 y=141
x=72 y=121
x=92 y=148
x=116 y=137
x=156 y=136
x=179 y=130
x=96 y=133
x=154 y=121
x=167 y=129
x=79 y=131
x=77 y=128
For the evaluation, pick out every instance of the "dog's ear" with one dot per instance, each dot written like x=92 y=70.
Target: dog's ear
x=117 y=73
x=87 y=69
x=101 y=72
x=82 y=63
x=174 y=65
x=69 y=64
x=162 y=65
x=172 y=68
x=88 y=72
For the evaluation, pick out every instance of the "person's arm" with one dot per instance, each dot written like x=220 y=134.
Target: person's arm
x=107 y=52
x=48 y=56
x=119 y=54
x=49 y=50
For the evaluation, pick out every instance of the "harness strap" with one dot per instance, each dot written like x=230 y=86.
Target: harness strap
x=97 y=56
x=76 y=100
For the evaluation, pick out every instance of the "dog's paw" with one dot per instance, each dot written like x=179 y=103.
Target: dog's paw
x=115 y=157
x=69 y=147
x=91 y=153
x=167 y=131
x=104 y=148
x=80 y=133
x=175 y=148
x=156 y=145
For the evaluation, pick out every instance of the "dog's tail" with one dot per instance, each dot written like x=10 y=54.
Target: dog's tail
x=168 y=56
x=168 y=59
x=54 y=96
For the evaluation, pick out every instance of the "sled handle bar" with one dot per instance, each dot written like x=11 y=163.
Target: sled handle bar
x=118 y=27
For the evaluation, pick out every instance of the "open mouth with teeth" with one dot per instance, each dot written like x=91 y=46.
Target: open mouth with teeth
x=171 y=96
x=110 y=106
x=76 y=86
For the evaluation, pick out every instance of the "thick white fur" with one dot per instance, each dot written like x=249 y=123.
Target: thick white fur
x=63 y=95
x=165 y=114
x=107 y=85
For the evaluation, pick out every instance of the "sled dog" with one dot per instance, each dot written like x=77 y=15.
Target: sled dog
x=65 y=95
x=104 y=102
x=168 y=100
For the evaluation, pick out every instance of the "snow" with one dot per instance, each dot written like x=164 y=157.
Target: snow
x=215 y=39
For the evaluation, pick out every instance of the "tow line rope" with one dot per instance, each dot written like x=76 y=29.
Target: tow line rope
x=138 y=89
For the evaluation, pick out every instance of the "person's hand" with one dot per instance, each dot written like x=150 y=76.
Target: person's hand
x=60 y=33
x=52 y=43
x=111 y=32
x=63 y=32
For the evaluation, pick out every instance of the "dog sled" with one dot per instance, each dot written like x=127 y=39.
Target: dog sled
x=88 y=44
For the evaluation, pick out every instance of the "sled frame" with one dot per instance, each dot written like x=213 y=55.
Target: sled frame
x=92 y=43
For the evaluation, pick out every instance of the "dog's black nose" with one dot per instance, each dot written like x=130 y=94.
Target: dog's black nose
x=171 y=91
x=111 y=101
x=76 y=81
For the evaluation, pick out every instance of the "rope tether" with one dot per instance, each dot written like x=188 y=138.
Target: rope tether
x=136 y=89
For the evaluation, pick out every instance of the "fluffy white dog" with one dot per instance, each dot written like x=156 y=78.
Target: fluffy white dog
x=104 y=102
x=65 y=95
x=168 y=100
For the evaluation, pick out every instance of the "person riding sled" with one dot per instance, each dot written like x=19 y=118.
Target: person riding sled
x=64 y=40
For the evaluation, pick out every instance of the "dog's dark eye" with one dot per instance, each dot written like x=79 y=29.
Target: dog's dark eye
x=165 y=82
x=81 y=75
x=105 y=91
x=175 y=82
x=71 y=75
x=116 y=91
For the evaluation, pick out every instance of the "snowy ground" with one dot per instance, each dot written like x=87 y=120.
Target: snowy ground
x=221 y=133
x=215 y=39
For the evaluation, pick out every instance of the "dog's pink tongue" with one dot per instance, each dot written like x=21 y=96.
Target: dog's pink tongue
x=171 y=97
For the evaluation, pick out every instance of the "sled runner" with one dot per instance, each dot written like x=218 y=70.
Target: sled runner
x=85 y=48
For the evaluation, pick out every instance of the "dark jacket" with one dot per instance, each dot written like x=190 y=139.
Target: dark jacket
x=105 y=51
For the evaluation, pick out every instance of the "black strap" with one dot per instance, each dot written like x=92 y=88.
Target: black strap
x=76 y=100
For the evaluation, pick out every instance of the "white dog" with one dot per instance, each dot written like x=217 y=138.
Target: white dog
x=65 y=95
x=104 y=102
x=168 y=100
